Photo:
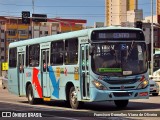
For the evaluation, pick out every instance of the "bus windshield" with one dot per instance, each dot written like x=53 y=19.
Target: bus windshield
x=119 y=58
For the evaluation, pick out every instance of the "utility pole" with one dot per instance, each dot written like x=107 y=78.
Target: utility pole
x=32 y=20
x=152 y=39
x=0 y=57
x=33 y=5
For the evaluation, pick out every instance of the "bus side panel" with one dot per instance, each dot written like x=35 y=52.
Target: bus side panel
x=59 y=77
x=69 y=75
x=54 y=83
x=36 y=82
x=13 y=84
x=33 y=75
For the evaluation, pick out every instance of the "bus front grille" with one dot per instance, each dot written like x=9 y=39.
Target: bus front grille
x=122 y=94
x=119 y=88
x=115 y=82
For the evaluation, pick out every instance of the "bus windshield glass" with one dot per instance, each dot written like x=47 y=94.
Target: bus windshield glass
x=119 y=58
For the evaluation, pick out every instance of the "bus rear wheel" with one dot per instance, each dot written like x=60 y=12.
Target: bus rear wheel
x=121 y=103
x=30 y=95
x=74 y=103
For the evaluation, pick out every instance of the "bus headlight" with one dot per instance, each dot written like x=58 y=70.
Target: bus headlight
x=143 y=84
x=99 y=85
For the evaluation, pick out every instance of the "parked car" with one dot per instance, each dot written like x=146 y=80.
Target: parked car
x=5 y=81
x=154 y=87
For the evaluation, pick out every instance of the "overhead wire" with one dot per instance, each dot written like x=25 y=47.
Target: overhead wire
x=66 y=6
x=69 y=15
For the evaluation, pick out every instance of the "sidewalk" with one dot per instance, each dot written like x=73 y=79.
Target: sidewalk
x=0 y=80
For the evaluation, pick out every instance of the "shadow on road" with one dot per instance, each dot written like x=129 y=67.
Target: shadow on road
x=104 y=106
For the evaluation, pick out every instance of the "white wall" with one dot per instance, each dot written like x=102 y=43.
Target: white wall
x=134 y=15
x=148 y=19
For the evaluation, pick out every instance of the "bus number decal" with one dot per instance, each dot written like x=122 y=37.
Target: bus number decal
x=55 y=83
x=36 y=83
x=58 y=71
x=76 y=76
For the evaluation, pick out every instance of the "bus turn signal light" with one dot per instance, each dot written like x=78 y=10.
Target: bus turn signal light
x=143 y=93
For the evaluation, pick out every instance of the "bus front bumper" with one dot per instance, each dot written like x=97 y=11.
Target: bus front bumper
x=104 y=95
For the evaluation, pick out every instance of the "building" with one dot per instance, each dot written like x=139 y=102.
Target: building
x=117 y=11
x=12 y=29
x=135 y=15
x=156 y=22
x=132 y=5
x=148 y=19
x=158 y=7
x=98 y=24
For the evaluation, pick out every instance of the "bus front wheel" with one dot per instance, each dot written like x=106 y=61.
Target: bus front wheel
x=30 y=95
x=121 y=103
x=74 y=103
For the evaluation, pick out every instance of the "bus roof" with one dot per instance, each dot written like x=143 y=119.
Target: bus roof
x=68 y=35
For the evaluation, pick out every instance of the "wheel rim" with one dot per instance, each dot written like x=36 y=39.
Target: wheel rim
x=74 y=97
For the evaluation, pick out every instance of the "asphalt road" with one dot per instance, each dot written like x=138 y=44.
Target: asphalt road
x=149 y=108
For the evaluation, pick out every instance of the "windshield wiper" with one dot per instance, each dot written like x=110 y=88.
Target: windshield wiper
x=132 y=45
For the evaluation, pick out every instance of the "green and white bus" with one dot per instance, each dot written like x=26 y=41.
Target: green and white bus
x=97 y=64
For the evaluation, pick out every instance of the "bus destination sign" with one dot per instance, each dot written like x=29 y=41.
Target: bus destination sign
x=117 y=35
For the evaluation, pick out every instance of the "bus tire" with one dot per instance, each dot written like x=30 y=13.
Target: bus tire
x=74 y=103
x=121 y=103
x=30 y=95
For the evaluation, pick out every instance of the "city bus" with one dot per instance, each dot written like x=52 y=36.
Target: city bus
x=96 y=64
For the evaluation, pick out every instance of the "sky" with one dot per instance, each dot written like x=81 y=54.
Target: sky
x=90 y=10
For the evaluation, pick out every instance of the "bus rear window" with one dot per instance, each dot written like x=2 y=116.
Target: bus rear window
x=12 y=57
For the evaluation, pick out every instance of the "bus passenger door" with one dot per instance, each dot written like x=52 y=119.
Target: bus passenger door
x=85 y=71
x=45 y=72
x=21 y=81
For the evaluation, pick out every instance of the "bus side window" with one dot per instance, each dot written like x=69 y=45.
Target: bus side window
x=57 y=53
x=34 y=51
x=12 y=57
x=71 y=48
